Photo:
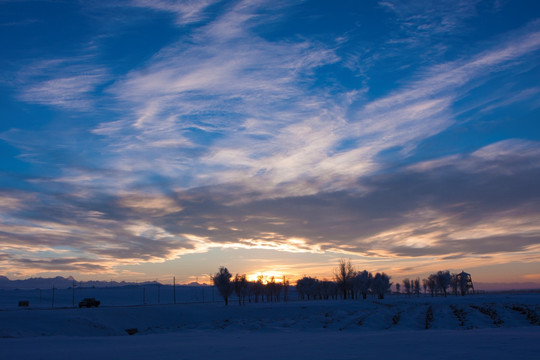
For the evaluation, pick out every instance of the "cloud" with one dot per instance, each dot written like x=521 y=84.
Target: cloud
x=68 y=83
x=422 y=20
x=215 y=87
x=229 y=139
x=466 y=208
x=66 y=264
x=532 y=277
x=433 y=211
x=187 y=11
x=225 y=105
x=505 y=100
x=506 y=156
x=10 y=203
x=150 y=205
x=305 y=152
x=230 y=106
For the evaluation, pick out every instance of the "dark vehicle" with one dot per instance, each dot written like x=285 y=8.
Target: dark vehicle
x=89 y=302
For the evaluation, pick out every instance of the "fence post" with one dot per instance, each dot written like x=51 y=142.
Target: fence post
x=73 y=299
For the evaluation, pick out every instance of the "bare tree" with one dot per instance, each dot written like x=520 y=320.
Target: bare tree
x=344 y=275
x=274 y=289
x=363 y=282
x=398 y=288
x=454 y=283
x=241 y=288
x=431 y=283
x=325 y=289
x=407 y=286
x=257 y=288
x=328 y=289
x=425 y=285
x=443 y=280
x=416 y=286
x=286 y=284
x=222 y=280
x=380 y=284
x=300 y=288
x=308 y=287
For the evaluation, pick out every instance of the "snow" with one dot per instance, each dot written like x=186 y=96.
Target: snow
x=475 y=344
x=498 y=326
x=116 y=295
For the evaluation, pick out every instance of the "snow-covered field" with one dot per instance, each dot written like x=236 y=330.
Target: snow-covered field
x=109 y=296
x=496 y=326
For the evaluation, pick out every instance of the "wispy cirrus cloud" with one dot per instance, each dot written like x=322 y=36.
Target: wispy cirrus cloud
x=230 y=106
x=68 y=83
x=301 y=155
x=188 y=11
x=425 y=18
x=193 y=94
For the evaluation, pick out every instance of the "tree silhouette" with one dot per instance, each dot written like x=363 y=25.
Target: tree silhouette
x=308 y=286
x=454 y=283
x=362 y=282
x=241 y=288
x=443 y=280
x=416 y=286
x=380 y=284
x=347 y=282
x=431 y=283
x=286 y=284
x=344 y=275
x=222 y=280
x=407 y=286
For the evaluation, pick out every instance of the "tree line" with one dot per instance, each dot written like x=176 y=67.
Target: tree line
x=270 y=290
x=347 y=283
x=438 y=284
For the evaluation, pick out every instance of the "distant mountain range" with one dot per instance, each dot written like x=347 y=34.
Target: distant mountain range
x=60 y=282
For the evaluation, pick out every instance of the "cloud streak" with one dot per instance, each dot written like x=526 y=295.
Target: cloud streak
x=67 y=83
x=483 y=204
x=186 y=11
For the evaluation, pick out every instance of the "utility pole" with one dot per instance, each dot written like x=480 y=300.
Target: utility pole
x=213 y=286
x=73 y=299
x=159 y=293
x=144 y=295
x=53 y=296
x=174 y=288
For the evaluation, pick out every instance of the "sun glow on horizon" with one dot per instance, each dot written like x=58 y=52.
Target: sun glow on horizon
x=266 y=276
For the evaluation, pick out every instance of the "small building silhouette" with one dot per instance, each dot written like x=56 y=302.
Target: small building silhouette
x=465 y=283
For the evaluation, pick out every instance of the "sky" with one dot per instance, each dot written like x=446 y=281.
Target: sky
x=146 y=139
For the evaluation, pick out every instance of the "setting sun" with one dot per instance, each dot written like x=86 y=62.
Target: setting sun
x=266 y=276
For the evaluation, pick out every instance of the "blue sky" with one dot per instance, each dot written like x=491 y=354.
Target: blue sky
x=149 y=138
